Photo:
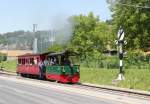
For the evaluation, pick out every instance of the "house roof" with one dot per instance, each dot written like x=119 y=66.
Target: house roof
x=15 y=53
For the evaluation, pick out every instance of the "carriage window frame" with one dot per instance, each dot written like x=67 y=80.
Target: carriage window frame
x=19 y=61
x=31 y=61
x=26 y=61
x=23 y=61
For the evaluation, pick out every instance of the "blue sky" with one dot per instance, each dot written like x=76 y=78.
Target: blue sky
x=21 y=14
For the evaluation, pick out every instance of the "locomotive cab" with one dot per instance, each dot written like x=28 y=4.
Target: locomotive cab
x=61 y=67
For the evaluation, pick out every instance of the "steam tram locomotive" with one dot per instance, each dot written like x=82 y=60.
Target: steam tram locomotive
x=52 y=66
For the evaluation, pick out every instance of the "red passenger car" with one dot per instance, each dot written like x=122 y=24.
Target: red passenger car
x=28 y=64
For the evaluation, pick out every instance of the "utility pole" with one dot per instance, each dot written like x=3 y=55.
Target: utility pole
x=52 y=38
x=34 y=28
x=35 y=48
x=120 y=42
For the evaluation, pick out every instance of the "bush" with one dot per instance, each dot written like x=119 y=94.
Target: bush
x=131 y=61
x=109 y=62
x=3 y=57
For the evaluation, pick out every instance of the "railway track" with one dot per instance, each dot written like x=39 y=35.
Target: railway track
x=121 y=92
x=110 y=90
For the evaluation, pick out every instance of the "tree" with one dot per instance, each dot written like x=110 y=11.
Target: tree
x=134 y=17
x=90 y=34
x=56 y=48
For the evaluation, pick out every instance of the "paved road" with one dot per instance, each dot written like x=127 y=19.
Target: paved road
x=12 y=92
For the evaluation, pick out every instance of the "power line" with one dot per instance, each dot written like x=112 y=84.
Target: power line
x=137 y=6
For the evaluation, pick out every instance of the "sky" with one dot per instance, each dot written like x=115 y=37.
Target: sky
x=21 y=14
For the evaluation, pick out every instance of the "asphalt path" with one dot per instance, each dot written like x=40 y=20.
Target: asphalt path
x=12 y=92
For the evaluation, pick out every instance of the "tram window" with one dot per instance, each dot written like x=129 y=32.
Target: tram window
x=38 y=59
x=19 y=61
x=31 y=61
x=27 y=61
x=23 y=61
x=35 y=61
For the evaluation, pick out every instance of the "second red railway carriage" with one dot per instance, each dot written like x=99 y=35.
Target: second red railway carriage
x=28 y=64
x=61 y=69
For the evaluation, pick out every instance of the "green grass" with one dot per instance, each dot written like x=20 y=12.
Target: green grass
x=134 y=78
x=97 y=76
x=9 y=65
x=137 y=79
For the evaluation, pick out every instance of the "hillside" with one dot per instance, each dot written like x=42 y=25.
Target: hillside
x=23 y=40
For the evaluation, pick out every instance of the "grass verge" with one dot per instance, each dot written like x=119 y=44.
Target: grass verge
x=134 y=78
x=9 y=65
x=97 y=76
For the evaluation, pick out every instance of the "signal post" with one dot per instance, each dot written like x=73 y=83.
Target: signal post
x=120 y=42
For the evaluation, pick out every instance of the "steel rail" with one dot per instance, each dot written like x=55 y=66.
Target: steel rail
x=135 y=94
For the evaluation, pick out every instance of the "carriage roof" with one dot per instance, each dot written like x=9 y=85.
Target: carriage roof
x=30 y=55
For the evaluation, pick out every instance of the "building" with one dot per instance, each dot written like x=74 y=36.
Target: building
x=12 y=54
